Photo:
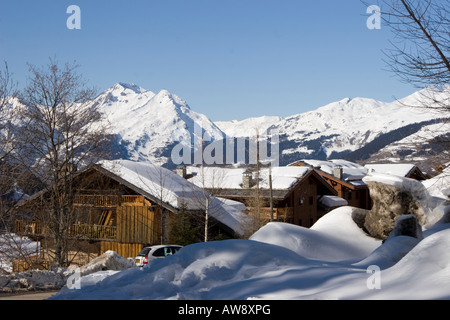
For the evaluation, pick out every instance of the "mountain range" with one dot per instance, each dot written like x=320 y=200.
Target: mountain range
x=148 y=125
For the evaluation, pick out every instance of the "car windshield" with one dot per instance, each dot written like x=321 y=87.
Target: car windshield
x=143 y=252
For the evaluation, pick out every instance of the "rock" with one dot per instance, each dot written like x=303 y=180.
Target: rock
x=41 y=278
x=359 y=217
x=389 y=203
x=4 y=280
x=407 y=225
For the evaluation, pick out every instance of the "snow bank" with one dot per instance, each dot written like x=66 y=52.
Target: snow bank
x=335 y=237
x=12 y=247
x=213 y=270
x=334 y=259
x=34 y=280
x=105 y=265
x=422 y=274
x=110 y=260
x=247 y=269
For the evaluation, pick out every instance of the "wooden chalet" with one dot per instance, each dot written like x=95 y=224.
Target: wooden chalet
x=117 y=207
x=345 y=177
x=295 y=192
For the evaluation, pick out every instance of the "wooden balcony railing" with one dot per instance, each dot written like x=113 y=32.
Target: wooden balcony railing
x=132 y=199
x=80 y=231
x=92 y=232
x=96 y=200
x=100 y=200
x=279 y=214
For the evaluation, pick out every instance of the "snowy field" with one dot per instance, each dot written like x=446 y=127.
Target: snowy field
x=334 y=259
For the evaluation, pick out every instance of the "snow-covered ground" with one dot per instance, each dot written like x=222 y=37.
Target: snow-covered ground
x=334 y=259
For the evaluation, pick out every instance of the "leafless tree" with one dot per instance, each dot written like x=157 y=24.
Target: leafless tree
x=210 y=185
x=420 y=51
x=68 y=132
x=420 y=48
x=420 y=55
x=8 y=124
x=256 y=201
x=14 y=178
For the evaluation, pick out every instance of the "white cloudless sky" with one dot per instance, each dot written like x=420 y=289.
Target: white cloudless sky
x=230 y=59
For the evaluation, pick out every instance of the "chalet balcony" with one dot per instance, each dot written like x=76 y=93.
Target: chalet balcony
x=101 y=200
x=279 y=214
x=79 y=231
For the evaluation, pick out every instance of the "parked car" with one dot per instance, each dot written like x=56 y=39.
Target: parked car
x=154 y=252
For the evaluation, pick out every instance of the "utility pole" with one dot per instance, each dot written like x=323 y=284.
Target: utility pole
x=271 y=195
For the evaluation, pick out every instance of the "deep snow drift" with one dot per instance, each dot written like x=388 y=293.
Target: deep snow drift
x=332 y=260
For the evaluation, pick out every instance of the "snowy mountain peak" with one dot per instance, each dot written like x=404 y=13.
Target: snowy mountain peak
x=122 y=86
x=149 y=124
x=166 y=97
x=248 y=127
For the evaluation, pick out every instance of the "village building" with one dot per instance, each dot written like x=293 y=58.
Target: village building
x=405 y=170
x=118 y=207
x=345 y=177
x=286 y=194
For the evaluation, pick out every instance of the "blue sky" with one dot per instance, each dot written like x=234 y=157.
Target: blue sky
x=228 y=59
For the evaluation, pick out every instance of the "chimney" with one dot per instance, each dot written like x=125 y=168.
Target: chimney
x=338 y=172
x=247 y=179
x=181 y=171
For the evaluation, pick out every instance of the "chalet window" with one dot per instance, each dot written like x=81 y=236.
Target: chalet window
x=311 y=200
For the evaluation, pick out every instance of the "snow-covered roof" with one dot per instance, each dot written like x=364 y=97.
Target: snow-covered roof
x=396 y=169
x=283 y=178
x=351 y=171
x=332 y=201
x=439 y=186
x=172 y=189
